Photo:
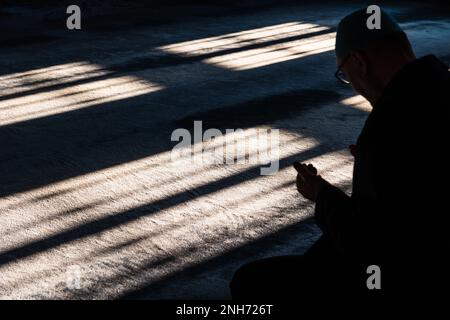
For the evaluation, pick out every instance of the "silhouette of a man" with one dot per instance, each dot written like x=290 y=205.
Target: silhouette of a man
x=397 y=215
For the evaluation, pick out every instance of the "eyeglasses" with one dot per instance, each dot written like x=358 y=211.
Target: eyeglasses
x=339 y=74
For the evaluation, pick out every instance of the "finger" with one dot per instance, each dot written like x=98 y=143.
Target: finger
x=300 y=167
x=301 y=170
x=304 y=172
x=312 y=169
x=297 y=165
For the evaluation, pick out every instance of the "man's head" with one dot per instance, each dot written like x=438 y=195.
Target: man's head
x=370 y=58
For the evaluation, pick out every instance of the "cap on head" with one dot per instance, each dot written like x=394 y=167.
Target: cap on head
x=353 y=33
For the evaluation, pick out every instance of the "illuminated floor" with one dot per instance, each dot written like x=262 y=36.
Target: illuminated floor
x=87 y=181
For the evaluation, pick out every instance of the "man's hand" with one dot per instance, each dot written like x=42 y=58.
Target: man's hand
x=309 y=183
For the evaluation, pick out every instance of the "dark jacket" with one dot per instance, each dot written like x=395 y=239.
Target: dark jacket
x=398 y=216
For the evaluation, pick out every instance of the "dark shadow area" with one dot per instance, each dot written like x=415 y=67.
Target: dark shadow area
x=107 y=15
x=261 y=111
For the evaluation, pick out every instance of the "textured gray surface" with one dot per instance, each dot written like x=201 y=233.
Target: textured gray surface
x=86 y=178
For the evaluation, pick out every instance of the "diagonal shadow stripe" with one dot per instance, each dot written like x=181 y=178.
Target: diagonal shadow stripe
x=256 y=248
x=261 y=111
x=110 y=222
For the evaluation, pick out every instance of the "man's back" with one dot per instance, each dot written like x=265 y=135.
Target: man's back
x=400 y=175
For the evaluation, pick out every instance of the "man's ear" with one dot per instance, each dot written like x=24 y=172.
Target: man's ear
x=362 y=61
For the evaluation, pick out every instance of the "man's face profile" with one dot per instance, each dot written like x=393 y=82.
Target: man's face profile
x=354 y=68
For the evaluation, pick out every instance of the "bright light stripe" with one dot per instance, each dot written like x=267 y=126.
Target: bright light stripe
x=92 y=251
x=42 y=70
x=65 y=93
x=259 y=57
x=155 y=163
x=203 y=40
x=189 y=174
x=122 y=187
x=237 y=40
x=72 y=98
x=56 y=75
x=274 y=58
x=117 y=186
x=274 y=54
x=252 y=202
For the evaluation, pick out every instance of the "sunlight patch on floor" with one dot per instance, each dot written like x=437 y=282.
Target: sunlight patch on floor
x=22 y=82
x=75 y=97
x=256 y=58
x=230 y=217
x=128 y=186
x=267 y=53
